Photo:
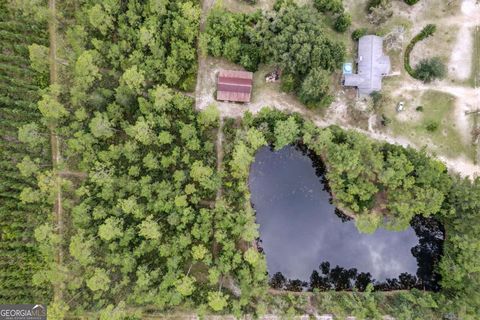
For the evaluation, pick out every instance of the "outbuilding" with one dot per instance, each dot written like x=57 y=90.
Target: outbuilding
x=234 y=86
x=372 y=66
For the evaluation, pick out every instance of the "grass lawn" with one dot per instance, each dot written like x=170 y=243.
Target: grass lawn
x=438 y=108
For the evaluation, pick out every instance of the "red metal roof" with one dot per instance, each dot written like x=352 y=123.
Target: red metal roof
x=234 y=85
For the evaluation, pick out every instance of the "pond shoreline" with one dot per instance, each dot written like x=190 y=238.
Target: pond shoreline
x=405 y=282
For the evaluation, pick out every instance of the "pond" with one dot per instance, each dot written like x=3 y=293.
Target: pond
x=309 y=244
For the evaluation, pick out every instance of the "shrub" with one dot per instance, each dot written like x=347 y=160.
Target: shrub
x=342 y=22
x=315 y=85
x=430 y=69
x=432 y=126
x=380 y=13
x=333 y=6
x=358 y=33
x=419 y=108
x=376 y=98
x=288 y=83
x=385 y=120
x=372 y=4
x=426 y=32
x=411 y=2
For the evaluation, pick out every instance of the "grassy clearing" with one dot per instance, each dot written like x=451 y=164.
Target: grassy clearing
x=475 y=78
x=438 y=109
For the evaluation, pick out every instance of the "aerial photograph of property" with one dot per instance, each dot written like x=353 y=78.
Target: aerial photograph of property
x=240 y=159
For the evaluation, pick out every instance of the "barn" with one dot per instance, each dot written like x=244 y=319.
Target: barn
x=234 y=86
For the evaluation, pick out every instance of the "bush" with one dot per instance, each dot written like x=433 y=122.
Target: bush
x=430 y=69
x=315 y=86
x=419 y=108
x=426 y=32
x=358 y=33
x=432 y=126
x=385 y=120
x=342 y=22
x=411 y=2
x=288 y=83
x=377 y=99
x=333 y=6
x=372 y=4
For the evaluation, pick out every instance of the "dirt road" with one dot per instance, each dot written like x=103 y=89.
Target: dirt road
x=55 y=148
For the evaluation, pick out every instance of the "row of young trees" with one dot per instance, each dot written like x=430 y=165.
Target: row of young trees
x=19 y=91
x=291 y=36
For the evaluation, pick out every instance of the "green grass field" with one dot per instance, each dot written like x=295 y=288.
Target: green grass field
x=438 y=108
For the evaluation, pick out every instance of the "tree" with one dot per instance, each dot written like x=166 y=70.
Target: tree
x=241 y=161
x=278 y=281
x=217 y=301
x=430 y=69
x=209 y=116
x=149 y=229
x=50 y=107
x=81 y=249
x=358 y=33
x=288 y=83
x=134 y=79
x=232 y=49
x=27 y=167
x=141 y=131
x=203 y=175
x=255 y=138
x=86 y=73
x=286 y=132
x=114 y=312
x=99 y=281
x=185 y=286
x=343 y=22
x=111 y=229
x=380 y=12
x=31 y=135
x=315 y=86
x=99 y=19
x=333 y=6
x=252 y=256
x=100 y=126
x=199 y=252
x=39 y=58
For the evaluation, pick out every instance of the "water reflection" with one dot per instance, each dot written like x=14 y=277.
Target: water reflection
x=310 y=244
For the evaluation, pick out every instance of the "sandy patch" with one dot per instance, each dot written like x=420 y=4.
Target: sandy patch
x=460 y=64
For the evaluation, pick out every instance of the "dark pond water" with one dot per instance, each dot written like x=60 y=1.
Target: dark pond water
x=310 y=244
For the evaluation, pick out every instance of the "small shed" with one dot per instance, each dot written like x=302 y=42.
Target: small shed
x=372 y=66
x=235 y=86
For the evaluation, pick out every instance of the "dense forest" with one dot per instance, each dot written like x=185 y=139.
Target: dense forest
x=151 y=223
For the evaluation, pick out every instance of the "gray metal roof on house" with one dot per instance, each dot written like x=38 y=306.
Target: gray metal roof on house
x=372 y=66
